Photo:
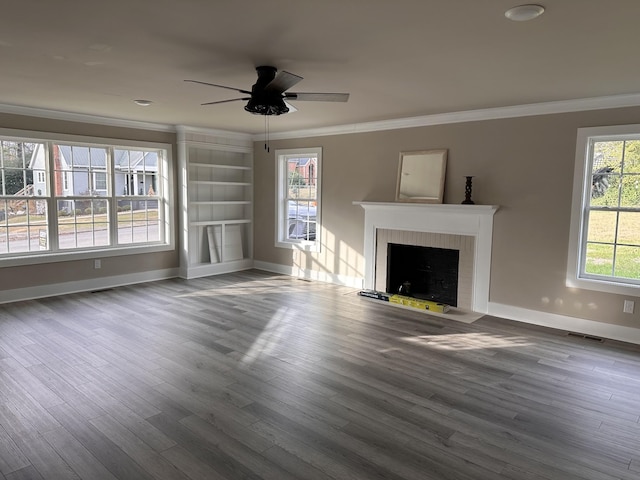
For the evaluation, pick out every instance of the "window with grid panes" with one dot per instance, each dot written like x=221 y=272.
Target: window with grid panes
x=606 y=216
x=298 y=199
x=74 y=197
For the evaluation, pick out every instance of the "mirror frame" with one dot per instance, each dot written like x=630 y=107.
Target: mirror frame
x=437 y=162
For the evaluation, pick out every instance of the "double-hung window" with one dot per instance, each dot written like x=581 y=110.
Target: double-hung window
x=298 y=202
x=604 y=250
x=75 y=198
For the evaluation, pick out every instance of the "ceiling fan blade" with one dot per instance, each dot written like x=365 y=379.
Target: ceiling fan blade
x=220 y=86
x=282 y=81
x=226 y=101
x=317 y=97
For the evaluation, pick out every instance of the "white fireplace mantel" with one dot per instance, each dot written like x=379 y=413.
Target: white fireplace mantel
x=471 y=220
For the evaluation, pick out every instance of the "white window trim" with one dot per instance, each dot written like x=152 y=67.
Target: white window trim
x=165 y=181
x=580 y=199
x=281 y=220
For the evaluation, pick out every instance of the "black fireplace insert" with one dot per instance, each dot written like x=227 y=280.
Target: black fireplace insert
x=423 y=272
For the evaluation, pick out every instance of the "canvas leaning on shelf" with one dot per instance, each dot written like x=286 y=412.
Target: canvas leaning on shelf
x=231 y=249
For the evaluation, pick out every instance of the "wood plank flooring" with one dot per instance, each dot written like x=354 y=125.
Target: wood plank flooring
x=260 y=376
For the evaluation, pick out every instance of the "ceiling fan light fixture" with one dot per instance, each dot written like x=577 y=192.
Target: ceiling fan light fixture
x=523 y=13
x=272 y=107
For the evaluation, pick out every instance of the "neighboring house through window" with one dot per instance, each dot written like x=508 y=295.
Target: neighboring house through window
x=604 y=250
x=298 y=198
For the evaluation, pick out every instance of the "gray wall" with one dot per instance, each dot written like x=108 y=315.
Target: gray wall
x=524 y=165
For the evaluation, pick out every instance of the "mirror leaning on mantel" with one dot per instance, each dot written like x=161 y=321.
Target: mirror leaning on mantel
x=421 y=176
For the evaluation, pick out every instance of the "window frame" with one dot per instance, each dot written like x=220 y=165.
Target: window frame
x=282 y=181
x=576 y=276
x=165 y=199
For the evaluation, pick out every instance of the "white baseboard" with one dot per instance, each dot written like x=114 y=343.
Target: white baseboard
x=344 y=280
x=206 y=270
x=563 y=322
x=42 y=291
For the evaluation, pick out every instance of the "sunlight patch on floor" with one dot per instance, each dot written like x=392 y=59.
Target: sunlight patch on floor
x=269 y=338
x=248 y=288
x=468 y=341
x=242 y=290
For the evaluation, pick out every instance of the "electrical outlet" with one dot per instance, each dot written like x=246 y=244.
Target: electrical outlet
x=628 y=306
x=97 y=264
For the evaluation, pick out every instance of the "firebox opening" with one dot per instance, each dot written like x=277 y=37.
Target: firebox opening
x=423 y=272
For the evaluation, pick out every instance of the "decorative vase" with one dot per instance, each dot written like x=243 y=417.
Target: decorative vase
x=467 y=192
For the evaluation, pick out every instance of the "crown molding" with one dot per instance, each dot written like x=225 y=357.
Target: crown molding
x=527 y=110
x=185 y=129
x=545 y=108
x=84 y=118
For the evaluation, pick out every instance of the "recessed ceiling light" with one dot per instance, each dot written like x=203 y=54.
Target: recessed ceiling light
x=523 y=13
x=142 y=102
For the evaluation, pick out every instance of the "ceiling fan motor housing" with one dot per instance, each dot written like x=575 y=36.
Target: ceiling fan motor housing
x=265 y=101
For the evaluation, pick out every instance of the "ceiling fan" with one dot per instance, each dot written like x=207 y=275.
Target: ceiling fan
x=269 y=94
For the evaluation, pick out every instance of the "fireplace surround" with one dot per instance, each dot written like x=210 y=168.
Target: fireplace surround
x=472 y=225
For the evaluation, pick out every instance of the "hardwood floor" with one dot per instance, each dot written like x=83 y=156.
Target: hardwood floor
x=260 y=376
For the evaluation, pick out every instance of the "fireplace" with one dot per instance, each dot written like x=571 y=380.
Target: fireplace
x=427 y=273
x=465 y=228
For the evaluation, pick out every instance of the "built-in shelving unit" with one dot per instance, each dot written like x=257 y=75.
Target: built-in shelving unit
x=216 y=176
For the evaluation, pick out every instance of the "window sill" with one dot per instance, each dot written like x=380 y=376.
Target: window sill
x=57 y=257
x=596 y=285
x=299 y=245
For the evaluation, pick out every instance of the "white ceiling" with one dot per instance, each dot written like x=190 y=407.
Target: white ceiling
x=397 y=58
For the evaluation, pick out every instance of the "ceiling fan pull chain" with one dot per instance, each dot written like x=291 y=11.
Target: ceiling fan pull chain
x=266 y=133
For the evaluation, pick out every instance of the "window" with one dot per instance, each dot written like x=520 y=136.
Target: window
x=67 y=197
x=100 y=181
x=298 y=198
x=604 y=250
x=23 y=214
